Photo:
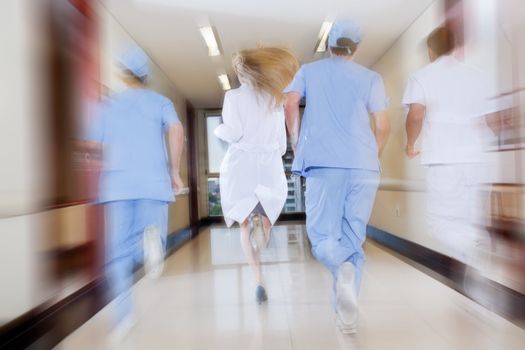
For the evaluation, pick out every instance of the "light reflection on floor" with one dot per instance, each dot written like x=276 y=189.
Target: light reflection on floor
x=287 y=244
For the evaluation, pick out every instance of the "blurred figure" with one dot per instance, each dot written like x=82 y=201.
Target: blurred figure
x=337 y=151
x=136 y=181
x=447 y=101
x=252 y=181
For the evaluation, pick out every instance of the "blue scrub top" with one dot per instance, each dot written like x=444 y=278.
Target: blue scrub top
x=335 y=130
x=132 y=127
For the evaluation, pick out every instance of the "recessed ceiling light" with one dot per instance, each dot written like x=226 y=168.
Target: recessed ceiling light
x=323 y=35
x=225 y=82
x=209 y=36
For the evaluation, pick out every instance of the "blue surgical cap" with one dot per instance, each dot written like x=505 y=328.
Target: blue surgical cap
x=135 y=60
x=344 y=29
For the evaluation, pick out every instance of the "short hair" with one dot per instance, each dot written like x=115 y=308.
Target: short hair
x=128 y=74
x=441 y=41
x=345 y=47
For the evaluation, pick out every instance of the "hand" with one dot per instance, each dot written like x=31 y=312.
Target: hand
x=176 y=182
x=409 y=151
x=293 y=143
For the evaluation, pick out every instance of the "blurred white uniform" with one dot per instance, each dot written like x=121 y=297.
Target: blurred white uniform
x=452 y=147
x=252 y=171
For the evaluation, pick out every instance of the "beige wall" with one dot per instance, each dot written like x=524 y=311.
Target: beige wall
x=401 y=209
x=23 y=170
x=490 y=41
x=26 y=233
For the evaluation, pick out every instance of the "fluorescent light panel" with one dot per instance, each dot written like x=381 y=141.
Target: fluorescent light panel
x=323 y=36
x=225 y=82
x=208 y=34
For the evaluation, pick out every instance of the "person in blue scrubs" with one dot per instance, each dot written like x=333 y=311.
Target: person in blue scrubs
x=337 y=150
x=137 y=179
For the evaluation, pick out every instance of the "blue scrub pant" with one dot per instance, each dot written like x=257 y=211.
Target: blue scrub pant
x=338 y=206
x=125 y=224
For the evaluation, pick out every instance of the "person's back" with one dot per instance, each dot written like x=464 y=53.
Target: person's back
x=447 y=101
x=337 y=151
x=135 y=158
x=137 y=181
x=455 y=99
x=341 y=108
x=253 y=184
x=261 y=122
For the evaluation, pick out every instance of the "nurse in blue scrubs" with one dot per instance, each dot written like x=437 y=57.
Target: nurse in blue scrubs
x=138 y=179
x=337 y=150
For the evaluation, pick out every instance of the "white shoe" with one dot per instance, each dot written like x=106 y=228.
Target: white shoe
x=257 y=237
x=345 y=296
x=121 y=331
x=153 y=252
x=346 y=328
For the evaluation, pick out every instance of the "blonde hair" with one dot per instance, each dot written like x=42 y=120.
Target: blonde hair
x=267 y=69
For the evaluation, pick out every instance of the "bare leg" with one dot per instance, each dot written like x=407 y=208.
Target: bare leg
x=252 y=255
x=267 y=225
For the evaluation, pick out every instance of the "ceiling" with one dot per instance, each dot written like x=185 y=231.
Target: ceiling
x=169 y=31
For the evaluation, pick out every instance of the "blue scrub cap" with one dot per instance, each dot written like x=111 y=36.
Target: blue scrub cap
x=136 y=60
x=344 y=29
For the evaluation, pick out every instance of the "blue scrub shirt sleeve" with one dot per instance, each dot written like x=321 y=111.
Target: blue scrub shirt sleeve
x=377 y=101
x=414 y=93
x=169 y=115
x=298 y=83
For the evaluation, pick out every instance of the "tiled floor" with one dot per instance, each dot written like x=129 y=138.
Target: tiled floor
x=205 y=300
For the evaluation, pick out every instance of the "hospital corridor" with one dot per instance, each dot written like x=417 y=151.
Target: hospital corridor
x=202 y=174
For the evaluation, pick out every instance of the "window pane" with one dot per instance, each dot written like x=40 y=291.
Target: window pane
x=295 y=200
x=216 y=147
x=214 y=197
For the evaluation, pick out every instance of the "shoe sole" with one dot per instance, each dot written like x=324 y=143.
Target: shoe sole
x=263 y=298
x=346 y=329
x=346 y=301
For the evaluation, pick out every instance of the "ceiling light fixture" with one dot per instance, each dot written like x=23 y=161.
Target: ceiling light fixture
x=225 y=82
x=323 y=36
x=210 y=37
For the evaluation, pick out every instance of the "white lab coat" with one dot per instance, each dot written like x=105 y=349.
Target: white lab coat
x=252 y=171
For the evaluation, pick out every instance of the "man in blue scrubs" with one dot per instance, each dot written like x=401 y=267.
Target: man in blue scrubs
x=338 y=151
x=137 y=180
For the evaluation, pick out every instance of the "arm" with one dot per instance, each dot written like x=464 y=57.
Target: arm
x=282 y=136
x=292 y=114
x=414 y=123
x=176 y=144
x=173 y=127
x=231 y=128
x=381 y=130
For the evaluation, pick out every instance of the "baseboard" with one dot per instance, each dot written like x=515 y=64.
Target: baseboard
x=501 y=299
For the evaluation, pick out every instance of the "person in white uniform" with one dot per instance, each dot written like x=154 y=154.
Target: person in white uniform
x=253 y=184
x=447 y=102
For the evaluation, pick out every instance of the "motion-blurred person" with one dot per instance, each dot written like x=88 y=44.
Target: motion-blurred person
x=137 y=181
x=447 y=100
x=252 y=181
x=338 y=151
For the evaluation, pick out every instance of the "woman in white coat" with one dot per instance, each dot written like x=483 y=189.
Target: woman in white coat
x=252 y=180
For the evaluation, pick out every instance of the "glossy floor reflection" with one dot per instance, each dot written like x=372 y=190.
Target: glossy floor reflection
x=205 y=300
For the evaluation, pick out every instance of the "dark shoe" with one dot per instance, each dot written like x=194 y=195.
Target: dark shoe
x=260 y=295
